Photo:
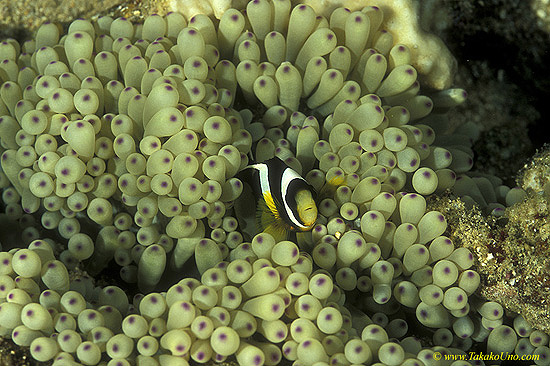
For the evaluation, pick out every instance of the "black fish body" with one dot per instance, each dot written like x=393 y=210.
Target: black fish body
x=285 y=200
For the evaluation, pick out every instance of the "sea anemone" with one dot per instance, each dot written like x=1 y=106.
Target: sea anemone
x=127 y=139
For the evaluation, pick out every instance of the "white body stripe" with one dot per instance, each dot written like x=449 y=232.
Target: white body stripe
x=288 y=176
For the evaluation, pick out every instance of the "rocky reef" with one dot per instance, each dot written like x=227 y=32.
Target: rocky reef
x=121 y=143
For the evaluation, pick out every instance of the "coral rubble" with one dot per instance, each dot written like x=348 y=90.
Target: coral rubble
x=511 y=251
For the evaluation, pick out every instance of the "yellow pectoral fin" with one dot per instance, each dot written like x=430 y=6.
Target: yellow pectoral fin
x=269 y=220
x=266 y=213
x=270 y=203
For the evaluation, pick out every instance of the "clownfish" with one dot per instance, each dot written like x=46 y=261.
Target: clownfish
x=285 y=200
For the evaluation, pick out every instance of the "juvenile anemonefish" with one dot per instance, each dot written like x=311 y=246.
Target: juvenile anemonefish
x=286 y=202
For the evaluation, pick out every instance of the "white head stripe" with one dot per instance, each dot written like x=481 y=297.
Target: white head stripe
x=264 y=178
x=288 y=176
